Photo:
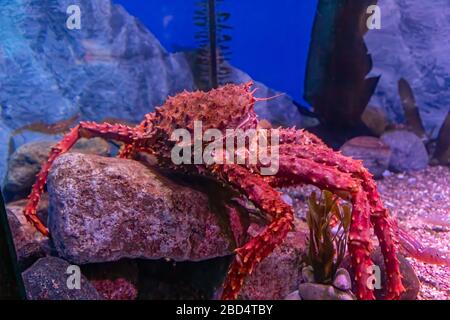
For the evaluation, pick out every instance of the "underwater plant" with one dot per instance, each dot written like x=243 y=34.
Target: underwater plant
x=412 y=115
x=303 y=159
x=438 y=148
x=212 y=41
x=336 y=77
x=325 y=250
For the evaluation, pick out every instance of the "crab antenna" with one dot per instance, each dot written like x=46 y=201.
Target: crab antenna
x=269 y=98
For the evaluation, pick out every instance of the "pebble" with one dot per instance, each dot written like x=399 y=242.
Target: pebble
x=342 y=280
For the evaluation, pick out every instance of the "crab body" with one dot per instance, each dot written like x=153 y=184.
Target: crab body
x=304 y=159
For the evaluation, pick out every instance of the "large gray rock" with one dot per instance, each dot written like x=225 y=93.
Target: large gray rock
x=27 y=161
x=112 y=67
x=413 y=44
x=105 y=209
x=408 y=151
x=47 y=280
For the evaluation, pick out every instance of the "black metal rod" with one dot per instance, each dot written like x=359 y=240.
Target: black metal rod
x=213 y=42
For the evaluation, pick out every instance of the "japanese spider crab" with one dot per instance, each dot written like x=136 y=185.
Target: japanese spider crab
x=304 y=159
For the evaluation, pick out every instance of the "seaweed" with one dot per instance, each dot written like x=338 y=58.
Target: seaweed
x=338 y=64
x=213 y=42
x=325 y=250
x=412 y=115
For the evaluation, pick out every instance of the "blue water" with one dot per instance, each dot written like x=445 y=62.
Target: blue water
x=270 y=37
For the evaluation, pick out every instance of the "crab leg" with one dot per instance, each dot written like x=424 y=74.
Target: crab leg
x=268 y=200
x=83 y=130
x=307 y=146
x=295 y=170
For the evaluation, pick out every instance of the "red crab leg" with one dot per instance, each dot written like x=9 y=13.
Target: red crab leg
x=307 y=147
x=294 y=170
x=127 y=151
x=268 y=200
x=86 y=130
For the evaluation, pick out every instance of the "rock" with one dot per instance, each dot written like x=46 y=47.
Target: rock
x=293 y=296
x=342 y=280
x=375 y=119
x=308 y=274
x=315 y=291
x=27 y=160
x=372 y=151
x=413 y=44
x=408 y=151
x=279 y=273
x=410 y=280
x=30 y=245
x=105 y=209
x=76 y=71
x=47 y=280
x=114 y=280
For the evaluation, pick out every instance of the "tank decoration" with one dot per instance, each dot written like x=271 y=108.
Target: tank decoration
x=213 y=41
x=412 y=115
x=336 y=84
x=439 y=148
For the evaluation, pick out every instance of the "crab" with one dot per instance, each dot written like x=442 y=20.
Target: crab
x=304 y=159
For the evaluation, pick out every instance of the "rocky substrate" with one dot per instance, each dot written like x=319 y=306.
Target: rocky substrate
x=138 y=233
x=420 y=200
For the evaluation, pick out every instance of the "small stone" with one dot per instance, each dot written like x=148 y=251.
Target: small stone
x=408 y=151
x=29 y=243
x=293 y=296
x=47 y=280
x=375 y=119
x=387 y=173
x=342 y=280
x=287 y=199
x=409 y=277
x=315 y=291
x=308 y=274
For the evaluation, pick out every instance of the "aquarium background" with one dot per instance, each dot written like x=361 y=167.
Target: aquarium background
x=270 y=39
x=380 y=95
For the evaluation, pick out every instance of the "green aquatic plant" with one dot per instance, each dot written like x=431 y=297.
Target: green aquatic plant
x=325 y=249
x=213 y=40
